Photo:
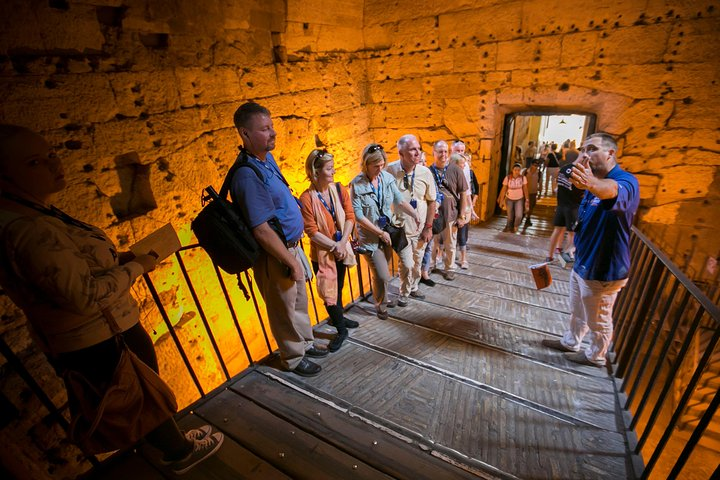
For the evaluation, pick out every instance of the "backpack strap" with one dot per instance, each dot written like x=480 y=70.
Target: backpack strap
x=242 y=161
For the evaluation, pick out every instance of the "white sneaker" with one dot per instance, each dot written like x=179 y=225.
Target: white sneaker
x=202 y=450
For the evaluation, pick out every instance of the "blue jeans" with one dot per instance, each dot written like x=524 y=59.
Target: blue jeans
x=425 y=265
x=514 y=212
x=462 y=236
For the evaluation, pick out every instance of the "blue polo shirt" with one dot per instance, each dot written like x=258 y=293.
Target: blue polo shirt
x=603 y=240
x=261 y=199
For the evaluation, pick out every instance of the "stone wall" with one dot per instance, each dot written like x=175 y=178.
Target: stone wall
x=138 y=96
x=648 y=70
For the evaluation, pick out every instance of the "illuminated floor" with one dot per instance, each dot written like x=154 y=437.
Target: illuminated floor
x=453 y=386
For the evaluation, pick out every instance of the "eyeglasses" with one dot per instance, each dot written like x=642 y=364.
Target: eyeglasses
x=374 y=148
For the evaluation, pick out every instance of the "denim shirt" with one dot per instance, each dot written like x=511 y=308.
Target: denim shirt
x=365 y=205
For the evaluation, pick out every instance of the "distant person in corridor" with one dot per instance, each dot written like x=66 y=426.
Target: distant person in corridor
x=602 y=242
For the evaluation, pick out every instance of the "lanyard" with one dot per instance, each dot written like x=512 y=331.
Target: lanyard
x=378 y=194
x=436 y=174
x=330 y=208
x=412 y=183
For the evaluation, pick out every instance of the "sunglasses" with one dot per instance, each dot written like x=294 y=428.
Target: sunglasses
x=406 y=182
x=319 y=155
x=374 y=148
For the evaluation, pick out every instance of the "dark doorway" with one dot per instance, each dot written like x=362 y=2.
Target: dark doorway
x=541 y=128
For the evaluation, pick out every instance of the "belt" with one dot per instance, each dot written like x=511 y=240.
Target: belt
x=292 y=244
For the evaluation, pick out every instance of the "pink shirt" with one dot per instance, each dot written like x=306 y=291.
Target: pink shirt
x=514 y=187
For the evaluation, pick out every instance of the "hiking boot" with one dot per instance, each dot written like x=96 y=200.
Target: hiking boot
x=382 y=314
x=417 y=294
x=392 y=304
x=348 y=323
x=449 y=275
x=202 y=450
x=402 y=301
x=316 y=352
x=306 y=368
x=337 y=341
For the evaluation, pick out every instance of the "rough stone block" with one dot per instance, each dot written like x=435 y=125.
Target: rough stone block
x=475 y=58
x=693 y=82
x=258 y=82
x=243 y=48
x=555 y=16
x=633 y=81
x=378 y=37
x=699 y=114
x=381 y=11
x=529 y=54
x=411 y=65
x=399 y=90
x=297 y=76
x=406 y=114
x=578 y=49
x=75 y=29
x=145 y=92
x=121 y=136
x=303 y=38
x=17 y=31
x=204 y=87
x=412 y=35
x=338 y=38
x=669 y=10
x=684 y=183
x=636 y=45
x=693 y=41
x=456 y=86
x=42 y=103
x=348 y=13
x=481 y=24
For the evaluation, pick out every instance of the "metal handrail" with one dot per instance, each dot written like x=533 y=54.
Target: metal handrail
x=660 y=308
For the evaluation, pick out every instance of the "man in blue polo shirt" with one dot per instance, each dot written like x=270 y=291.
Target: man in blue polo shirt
x=269 y=208
x=602 y=242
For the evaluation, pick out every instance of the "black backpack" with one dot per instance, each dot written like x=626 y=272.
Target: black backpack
x=222 y=232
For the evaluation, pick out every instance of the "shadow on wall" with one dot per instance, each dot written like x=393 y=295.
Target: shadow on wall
x=136 y=196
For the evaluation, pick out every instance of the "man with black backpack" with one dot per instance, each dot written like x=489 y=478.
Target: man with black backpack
x=263 y=198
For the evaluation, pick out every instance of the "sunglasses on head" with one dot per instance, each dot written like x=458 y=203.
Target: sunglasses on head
x=374 y=148
x=320 y=154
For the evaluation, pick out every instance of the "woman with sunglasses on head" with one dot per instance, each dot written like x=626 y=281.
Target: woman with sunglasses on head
x=374 y=192
x=74 y=286
x=329 y=219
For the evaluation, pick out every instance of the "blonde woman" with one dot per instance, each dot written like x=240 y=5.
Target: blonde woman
x=374 y=192
x=329 y=219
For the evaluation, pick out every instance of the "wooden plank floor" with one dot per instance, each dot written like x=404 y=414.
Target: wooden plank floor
x=453 y=386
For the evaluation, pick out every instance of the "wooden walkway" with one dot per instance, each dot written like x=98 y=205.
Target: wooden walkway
x=453 y=386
